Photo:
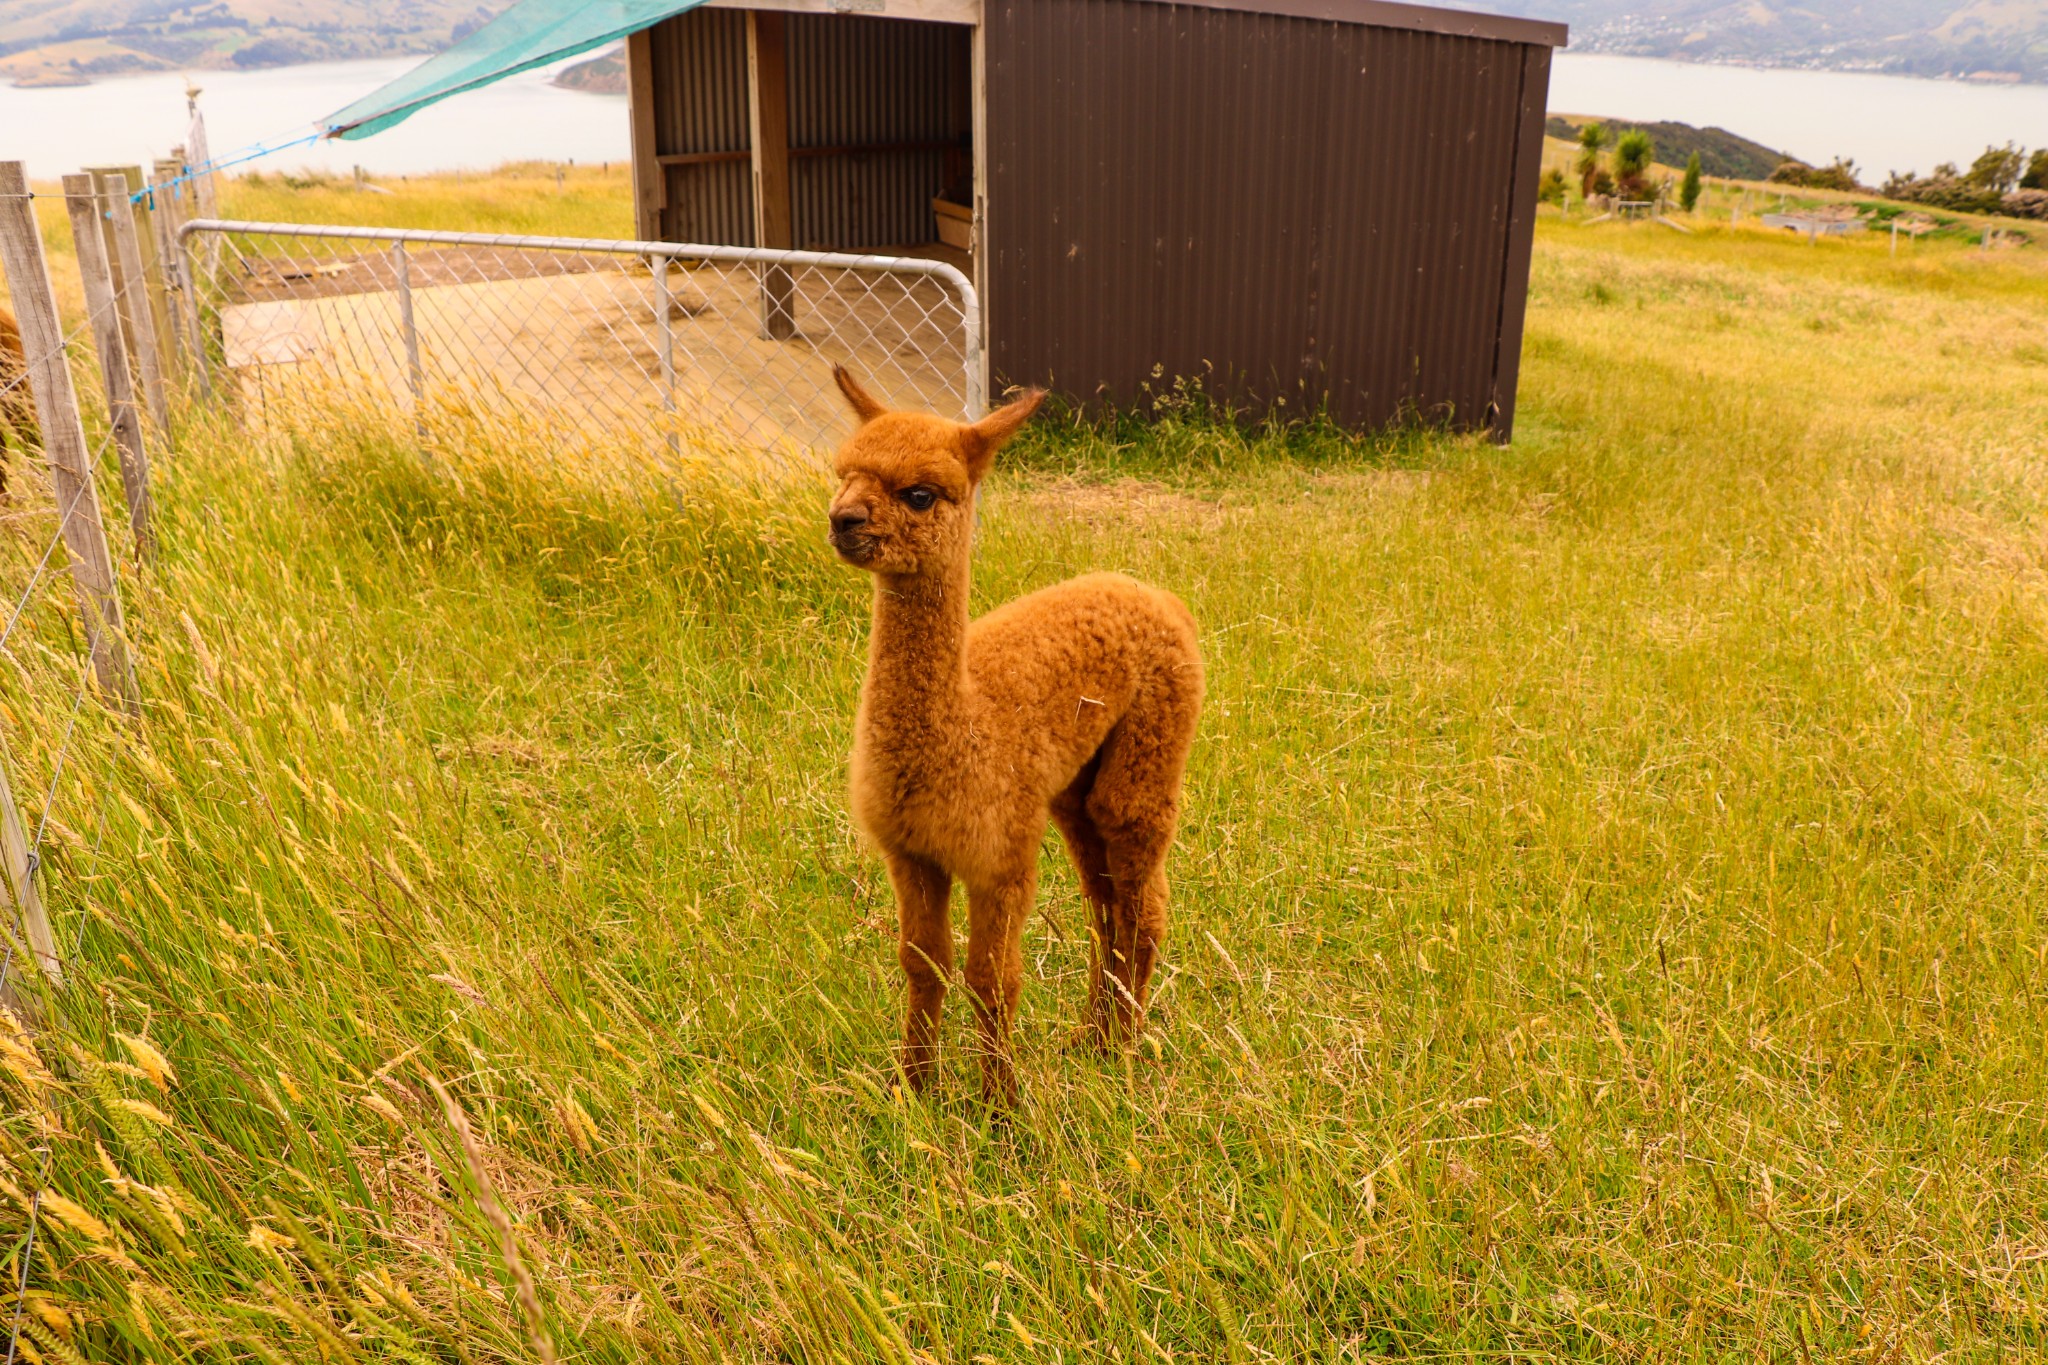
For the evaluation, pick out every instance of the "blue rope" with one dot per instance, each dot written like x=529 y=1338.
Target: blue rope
x=248 y=154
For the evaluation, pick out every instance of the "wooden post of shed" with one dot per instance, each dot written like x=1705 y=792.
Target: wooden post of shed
x=650 y=181
x=768 y=121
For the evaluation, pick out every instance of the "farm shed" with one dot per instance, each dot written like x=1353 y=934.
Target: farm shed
x=1321 y=203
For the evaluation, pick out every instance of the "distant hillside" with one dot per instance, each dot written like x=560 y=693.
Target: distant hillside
x=67 y=42
x=1722 y=153
x=604 y=74
x=2003 y=40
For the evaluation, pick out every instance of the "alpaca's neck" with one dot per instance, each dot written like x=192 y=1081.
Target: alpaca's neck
x=917 y=657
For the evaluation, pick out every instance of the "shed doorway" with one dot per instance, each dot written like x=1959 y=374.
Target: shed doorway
x=804 y=129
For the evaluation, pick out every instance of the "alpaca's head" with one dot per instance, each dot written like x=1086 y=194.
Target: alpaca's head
x=906 y=481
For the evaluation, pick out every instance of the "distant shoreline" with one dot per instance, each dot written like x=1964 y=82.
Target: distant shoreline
x=600 y=79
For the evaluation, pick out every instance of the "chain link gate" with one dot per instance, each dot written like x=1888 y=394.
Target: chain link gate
x=714 y=351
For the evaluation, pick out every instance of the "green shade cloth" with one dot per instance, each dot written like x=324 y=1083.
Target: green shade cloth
x=532 y=33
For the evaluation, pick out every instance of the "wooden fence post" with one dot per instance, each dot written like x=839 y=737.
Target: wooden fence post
x=149 y=238
x=21 y=886
x=70 y=461
x=164 y=232
x=103 y=309
x=144 y=233
x=138 y=328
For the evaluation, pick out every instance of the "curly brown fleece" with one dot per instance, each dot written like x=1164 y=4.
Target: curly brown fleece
x=1076 y=703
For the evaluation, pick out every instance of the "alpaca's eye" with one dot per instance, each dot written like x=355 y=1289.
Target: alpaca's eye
x=918 y=499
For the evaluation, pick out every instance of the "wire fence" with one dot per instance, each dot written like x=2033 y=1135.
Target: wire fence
x=683 y=350
x=77 y=412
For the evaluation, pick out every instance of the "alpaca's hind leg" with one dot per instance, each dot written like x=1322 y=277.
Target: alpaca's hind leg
x=1091 y=861
x=995 y=972
x=1135 y=803
x=1137 y=860
x=925 y=949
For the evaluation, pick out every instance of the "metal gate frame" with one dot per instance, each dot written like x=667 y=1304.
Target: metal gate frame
x=775 y=269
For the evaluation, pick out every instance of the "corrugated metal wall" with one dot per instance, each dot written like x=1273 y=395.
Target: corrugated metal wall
x=700 y=127
x=1290 y=208
x=879 y=119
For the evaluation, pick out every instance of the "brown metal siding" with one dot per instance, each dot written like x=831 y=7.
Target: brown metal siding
x=1291 y=209
x=700 y=104
x=878 y=97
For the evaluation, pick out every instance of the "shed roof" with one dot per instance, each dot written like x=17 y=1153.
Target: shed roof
x=537 y=32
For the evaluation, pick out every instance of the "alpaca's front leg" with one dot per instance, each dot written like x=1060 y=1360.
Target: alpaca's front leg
x=925 y=948
x=995 y=973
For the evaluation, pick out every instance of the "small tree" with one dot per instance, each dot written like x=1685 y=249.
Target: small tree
x=1689 y=188
x=1592 y=137
x=1632 y=157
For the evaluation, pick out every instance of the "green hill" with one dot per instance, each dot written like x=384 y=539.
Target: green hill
x=1722 y=153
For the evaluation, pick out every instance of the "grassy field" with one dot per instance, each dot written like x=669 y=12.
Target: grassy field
x=1611 y=916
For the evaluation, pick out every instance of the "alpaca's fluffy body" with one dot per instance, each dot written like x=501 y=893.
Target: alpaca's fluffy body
x=1076 y=704
x=17 y=407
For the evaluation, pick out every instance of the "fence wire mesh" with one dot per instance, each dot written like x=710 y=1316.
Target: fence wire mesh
x=687 y=351
x=47 y=759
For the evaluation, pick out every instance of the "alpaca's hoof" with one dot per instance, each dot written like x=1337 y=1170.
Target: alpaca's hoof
x=917 y=1073
x=1098 y=1038
x=999 y=1087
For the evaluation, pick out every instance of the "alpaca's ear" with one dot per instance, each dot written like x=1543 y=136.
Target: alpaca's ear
x=865 y=405
x=980 y=441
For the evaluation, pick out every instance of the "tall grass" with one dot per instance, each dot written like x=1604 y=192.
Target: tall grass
x=1609 y=918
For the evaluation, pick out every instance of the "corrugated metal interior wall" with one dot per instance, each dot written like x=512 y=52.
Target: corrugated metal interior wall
x=879 y=123
x=700 y=127
x=1293 y=210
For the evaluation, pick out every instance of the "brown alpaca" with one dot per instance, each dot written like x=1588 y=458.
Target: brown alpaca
x=17 y=407
x=1077 y=702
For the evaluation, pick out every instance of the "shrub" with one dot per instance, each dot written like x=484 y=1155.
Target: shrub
x=1551 y=189
x=1993 y=183
x=1948 y=188
x=2025 y=203
x=1840 y=174
x=1689 y=189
